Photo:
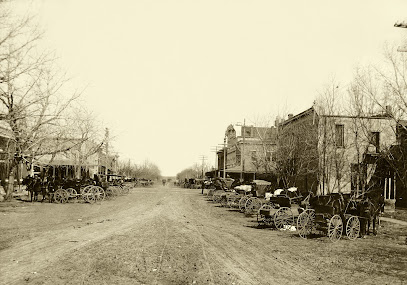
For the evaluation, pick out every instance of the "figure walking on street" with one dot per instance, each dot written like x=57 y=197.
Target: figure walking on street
x=203 y=186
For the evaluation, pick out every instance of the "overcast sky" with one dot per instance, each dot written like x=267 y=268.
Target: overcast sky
x=167 y=77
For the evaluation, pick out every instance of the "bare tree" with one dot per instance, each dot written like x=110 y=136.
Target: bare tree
x=297 y=152
x=383 y=90
x=148 y=170
x=30 y=92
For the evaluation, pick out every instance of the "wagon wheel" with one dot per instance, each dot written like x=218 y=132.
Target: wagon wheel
x=283 y=218
x=99 y=193
x=236 y=201
x=88 y=195
x=262 y=218
x=252 y=205
x=87 y=188
x=126 y=189
x=61 y=196
x=242 y=203
x=305 y=223
x=353 y=228
x=216 y=197
x=120 y=190
x=231 y=200
x=109 y=192
x=224 y=200
x=84 y=193
x=115 y=191
x=71 y=192
x=335 y=228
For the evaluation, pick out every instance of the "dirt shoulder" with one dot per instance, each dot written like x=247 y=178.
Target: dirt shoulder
x=175 y=236
x=398 y=214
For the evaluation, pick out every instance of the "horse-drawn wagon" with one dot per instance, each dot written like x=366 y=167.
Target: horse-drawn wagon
x=218 y=189
x=338 y=214
x=89 y=194
x=281 y=209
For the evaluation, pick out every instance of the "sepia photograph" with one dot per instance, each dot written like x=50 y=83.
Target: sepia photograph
x=219 y=142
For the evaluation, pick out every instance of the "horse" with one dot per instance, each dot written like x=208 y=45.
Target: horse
x=35 y=186
x=372 y=207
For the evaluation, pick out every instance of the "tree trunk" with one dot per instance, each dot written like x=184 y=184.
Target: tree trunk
x=10 y=184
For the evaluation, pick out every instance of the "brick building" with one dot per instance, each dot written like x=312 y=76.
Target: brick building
x=339 y=153
x=248 y=151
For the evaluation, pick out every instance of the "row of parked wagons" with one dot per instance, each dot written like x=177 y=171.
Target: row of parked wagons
x=89 y=193
x=335 y=215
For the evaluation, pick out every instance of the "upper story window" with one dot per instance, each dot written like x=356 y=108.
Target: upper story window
x=340 y=135
x=247 y=132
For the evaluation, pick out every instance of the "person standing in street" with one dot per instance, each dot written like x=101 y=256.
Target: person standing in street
x=203 y=186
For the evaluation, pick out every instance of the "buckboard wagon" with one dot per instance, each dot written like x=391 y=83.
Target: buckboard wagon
x=334 y=215
x=88 y=194
x=280 y=211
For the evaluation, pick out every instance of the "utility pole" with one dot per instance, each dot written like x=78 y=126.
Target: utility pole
x=242 y=155
x=107 y=150
x=224 y=157
x=203 y=157
x=216 y=160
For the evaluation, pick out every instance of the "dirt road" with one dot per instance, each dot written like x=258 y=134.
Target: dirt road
x=167 y=235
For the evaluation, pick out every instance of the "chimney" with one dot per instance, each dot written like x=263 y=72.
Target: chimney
x=290 y=116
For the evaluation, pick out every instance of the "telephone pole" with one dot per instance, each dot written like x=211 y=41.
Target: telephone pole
x=224 y=157
x=215 y=150
x=203 y=158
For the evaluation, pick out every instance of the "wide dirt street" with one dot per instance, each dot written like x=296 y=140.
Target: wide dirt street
x=166 y=235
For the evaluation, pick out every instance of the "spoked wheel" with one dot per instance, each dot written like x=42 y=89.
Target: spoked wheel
x=126 y=189
x=115 y=190
x=71 y=192
x=305 y=223
x=87 y=188
x=284 y=218
x=60 y=196
x=353 y=228
x=88 y=195
x=108 y=192
x=217 y=197
x=242 y=203
x=120 y=190
x=98 y=193
x=231 y=200
x=224 y=200
x=335 y=228
x=252 y=205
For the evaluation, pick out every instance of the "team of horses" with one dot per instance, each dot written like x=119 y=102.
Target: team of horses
x=367 y=206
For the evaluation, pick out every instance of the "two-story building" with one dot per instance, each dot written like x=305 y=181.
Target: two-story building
x=248 y=152
x=329 y=153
